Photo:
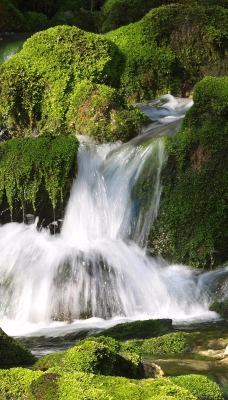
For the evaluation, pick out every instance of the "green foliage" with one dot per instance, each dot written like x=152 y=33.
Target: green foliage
x=200 y=386
x=15 y=382
x=172 y=48
x=26 y=164
x=221 y=307
x=12 y=353
x=139 y=329
x=193 y=206
x=37 y=83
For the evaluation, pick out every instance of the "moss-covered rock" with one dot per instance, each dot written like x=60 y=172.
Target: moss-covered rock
x=12 y=354
x=98 y=111
x=95 y=355
x=63 y=81
x=171 y=343
x=117 y=13
x=172 y=48
x=35 y=172
x=139 y=329
x=193 y=209
x=15 y=383
x=200 y=386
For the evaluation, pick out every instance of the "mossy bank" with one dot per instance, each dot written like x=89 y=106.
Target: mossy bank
x=193 y=207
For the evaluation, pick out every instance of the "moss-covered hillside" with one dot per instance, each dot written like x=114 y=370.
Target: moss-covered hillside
x=193 y=210
x=171 y=49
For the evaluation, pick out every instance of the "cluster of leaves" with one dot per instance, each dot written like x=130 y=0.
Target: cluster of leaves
x=26 y=164
x=172 y=48
x=192 y=213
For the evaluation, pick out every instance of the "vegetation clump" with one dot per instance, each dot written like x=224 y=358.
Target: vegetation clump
x=171 y=343
x=63 y=81
x=29 y=167
x=95 y=355
x=200 y=386
x=192 y=213
x=171 y=49
x=139 y=329
x=12 y=354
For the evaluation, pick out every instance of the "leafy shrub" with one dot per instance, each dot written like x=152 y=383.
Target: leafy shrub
x=200 y=386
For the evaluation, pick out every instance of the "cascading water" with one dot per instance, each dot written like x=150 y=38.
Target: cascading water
x=98 y=266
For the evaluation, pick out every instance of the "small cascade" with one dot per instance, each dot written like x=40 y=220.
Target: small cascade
x=99 y=265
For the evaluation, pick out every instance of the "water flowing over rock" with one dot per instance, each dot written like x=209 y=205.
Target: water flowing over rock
x=99 y=266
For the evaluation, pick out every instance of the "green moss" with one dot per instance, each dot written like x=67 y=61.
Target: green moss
x=200 y=386
x=27 y=164
x=193 y=206
x=161 y=388
x=12 y=353
x=45 y=387
x=139 y=329
x=37 y=83
x=49 y=361
x=171 y=49
x=173 y=343
x=98 y=111
x=15 y=382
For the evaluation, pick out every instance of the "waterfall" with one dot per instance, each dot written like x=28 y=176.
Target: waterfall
x=99 y=265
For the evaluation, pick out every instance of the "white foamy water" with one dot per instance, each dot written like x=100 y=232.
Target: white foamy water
x=98 y=268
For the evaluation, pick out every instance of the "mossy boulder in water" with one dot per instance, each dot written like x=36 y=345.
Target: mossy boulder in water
x=139 y=329
x=171 y=49
x=192 y=218
x=95 y=355
x=12 y=353
x=48 y=86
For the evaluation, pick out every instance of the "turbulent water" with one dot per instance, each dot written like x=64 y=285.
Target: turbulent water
x=98 y=271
